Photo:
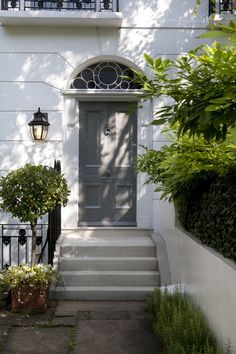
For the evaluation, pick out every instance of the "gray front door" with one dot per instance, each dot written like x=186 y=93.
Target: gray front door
x=107 y=148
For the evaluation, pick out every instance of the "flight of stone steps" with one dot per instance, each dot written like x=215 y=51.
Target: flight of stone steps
x=107 y=264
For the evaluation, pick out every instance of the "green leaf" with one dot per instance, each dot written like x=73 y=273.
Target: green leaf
x=220 y=100
x=159 y=121
x=232 y=24
x=148 y=59
x=213 y=34
x=212 y=108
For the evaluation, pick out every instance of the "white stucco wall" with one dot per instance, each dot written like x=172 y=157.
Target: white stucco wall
x=36 y=63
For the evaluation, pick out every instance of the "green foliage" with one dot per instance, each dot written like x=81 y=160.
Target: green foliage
x=32 y=191
x=202 y=87
x=15 y=275
x=201 y=179
x=180 y=325
x=211 y=215
x=187 y=164
x=73 y=339
x=222 y=30
x=24 y=275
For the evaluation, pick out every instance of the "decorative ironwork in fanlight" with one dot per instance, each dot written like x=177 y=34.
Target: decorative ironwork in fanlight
x=106 y=75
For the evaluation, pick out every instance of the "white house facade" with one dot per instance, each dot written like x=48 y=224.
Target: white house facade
x=47 y=48
x=72 y=58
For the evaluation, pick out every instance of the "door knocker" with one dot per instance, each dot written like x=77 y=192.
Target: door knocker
x=107 y=130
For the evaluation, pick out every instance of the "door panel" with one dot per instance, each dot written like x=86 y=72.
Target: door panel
x=107 y=148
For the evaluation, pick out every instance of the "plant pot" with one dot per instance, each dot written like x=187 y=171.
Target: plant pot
x=5 y=297
x=25 y=298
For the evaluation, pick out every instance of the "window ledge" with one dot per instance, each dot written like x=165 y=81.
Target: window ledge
x=103 y=95
x=62 y=18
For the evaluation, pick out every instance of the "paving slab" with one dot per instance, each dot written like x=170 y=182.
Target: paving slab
x=4 y=331
x=104 y=327
x=69 y=308
x=83 y=315
x=116 y=337
x=109 y=315
x=27 y=340
x=20 y=320
x=64 y=321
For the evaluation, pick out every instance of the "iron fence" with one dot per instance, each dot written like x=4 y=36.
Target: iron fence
x=15 y=243
x=58 y=5
x=221 y=6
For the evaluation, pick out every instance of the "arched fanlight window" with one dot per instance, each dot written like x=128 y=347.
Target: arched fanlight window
x=105 y=76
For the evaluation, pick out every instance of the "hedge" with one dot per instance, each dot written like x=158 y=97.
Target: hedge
x=211 y=215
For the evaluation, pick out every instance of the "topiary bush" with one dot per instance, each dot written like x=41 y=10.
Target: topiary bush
x=30 y=192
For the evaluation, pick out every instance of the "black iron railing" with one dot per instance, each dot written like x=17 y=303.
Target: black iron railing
x=54 y=224
x=221 y=6
x=54 y=227
x=15 y=243
x=10 y=5
x=58 y=5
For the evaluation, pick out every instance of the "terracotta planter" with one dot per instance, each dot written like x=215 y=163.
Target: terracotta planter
x=31 y=299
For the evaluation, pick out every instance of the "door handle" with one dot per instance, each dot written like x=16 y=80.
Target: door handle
x=107 y=130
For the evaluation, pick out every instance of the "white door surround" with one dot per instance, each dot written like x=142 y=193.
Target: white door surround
x=70 y=163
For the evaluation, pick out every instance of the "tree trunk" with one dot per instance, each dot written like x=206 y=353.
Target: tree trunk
x=33 y=252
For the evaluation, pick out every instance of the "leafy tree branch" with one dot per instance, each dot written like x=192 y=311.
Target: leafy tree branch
x=202 y=85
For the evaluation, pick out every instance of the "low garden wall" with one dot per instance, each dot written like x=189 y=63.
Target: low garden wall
x=209 y=277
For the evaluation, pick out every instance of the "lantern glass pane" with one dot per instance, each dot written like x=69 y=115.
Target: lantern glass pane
x=39 y=132
x=44 y=132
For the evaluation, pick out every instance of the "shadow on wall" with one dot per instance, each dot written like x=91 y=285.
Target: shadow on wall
x=35 y=77
x=62 y=49
x=153 y=13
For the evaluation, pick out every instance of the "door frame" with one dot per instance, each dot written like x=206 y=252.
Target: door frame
x=133 y=177
x=70 y=161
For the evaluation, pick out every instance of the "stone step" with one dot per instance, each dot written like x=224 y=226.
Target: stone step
x=111 y=278
x=108 y=263
x=81 y=249
x=112 y=293
x=88 y=233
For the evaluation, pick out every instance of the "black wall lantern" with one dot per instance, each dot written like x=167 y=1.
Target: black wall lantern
x=39 y=125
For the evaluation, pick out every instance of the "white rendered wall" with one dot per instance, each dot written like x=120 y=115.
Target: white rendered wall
x=210 y=278
x=37 y=62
